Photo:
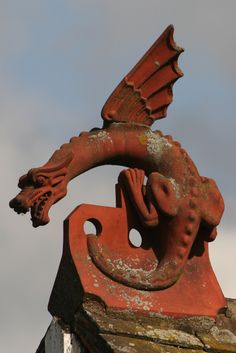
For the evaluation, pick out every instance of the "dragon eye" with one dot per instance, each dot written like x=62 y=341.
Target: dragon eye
x=40 y=181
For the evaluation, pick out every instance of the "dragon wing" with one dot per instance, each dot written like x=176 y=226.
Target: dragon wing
x=145 y=93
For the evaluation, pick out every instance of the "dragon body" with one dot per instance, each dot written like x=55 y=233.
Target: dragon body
x=175 y=197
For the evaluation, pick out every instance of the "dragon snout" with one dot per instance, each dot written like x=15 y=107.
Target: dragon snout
x=19 y=204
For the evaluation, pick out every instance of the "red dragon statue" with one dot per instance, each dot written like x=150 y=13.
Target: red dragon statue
x=176 y=199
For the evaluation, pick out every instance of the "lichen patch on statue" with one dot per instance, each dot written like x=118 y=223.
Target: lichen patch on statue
x=156 y=144
x=100 y=136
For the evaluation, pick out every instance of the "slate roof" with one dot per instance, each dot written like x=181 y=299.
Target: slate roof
x=125 y=332
x=116 y=332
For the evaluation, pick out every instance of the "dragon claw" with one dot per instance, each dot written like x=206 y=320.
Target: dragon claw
x=133 y=178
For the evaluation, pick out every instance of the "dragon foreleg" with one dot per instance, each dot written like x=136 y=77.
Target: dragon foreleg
x=133 y=181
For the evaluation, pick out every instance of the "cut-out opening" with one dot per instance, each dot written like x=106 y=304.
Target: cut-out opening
x=135 y=238
x=92 y=226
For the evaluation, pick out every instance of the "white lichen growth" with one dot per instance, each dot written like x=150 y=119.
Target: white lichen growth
x=101 y=136
x=175 y=187
x=156 y=144
x=223 y=336
x=176 y=337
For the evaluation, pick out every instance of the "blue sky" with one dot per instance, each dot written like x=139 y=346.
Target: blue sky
x=59 y=62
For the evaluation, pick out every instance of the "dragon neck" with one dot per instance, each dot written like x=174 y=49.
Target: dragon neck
x=129 y=145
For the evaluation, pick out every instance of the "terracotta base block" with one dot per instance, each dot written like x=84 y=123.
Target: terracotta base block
x=196 y=293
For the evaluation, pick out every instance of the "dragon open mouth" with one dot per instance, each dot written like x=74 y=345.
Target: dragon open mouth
x=40 y=189
x=40 y=208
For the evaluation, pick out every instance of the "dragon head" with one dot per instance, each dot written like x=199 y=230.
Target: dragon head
x=40 y=189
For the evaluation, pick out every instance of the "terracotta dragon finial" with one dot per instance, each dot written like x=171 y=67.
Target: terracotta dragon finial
x=176 y=199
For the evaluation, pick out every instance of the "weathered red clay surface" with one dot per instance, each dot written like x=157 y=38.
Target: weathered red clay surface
x=177 y=211
x=196 y=293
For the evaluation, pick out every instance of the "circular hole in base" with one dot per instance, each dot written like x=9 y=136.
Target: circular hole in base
x=135 y=238
x=92 y=226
